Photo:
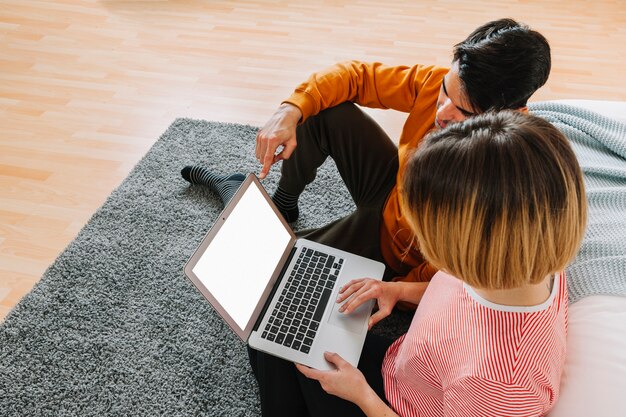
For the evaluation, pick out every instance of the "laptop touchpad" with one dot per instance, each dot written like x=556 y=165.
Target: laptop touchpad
x=352 y=322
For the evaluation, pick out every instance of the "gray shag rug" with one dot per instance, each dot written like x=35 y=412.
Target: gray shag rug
x=114 y=328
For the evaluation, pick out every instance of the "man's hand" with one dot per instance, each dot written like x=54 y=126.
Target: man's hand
x=280 y=130
x=358 y=291
x=345 y=381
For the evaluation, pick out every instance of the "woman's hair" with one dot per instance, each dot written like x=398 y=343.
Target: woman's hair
x=501 y=64
x=497 y=200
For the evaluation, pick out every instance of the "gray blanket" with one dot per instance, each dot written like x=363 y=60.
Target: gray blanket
x=600 y=145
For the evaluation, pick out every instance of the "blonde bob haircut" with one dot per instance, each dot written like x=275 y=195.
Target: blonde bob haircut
x=497 y=200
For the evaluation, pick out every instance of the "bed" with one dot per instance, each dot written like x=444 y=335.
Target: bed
x=594 y=379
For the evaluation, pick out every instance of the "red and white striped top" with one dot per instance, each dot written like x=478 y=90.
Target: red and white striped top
x=465 y=356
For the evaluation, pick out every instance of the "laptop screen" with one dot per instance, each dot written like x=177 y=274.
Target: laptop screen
x=239 y=262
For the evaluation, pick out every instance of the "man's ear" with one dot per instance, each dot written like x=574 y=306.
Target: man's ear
x=523 y=110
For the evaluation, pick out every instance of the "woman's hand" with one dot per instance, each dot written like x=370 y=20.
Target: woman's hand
x=345 y=381
x=348 y=382
x=359 y=291
x=279 y=131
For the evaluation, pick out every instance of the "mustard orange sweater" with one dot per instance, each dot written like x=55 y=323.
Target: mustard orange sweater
x=413 y=90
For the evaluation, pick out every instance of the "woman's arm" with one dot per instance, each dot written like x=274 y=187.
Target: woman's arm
x=348 y=382
x=387 y=294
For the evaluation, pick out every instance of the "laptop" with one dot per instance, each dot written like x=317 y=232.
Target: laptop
x=277 y=292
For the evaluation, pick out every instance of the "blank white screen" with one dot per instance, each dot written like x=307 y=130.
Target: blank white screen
x=238 y=264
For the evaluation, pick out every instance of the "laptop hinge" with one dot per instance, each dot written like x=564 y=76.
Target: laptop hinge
x=276 y=285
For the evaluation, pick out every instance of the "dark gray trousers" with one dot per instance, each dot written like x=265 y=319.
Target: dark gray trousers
x=285 y=392
x=367 y=161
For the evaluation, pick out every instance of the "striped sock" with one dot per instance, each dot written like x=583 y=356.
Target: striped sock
x=224 y=185
x=287 y=204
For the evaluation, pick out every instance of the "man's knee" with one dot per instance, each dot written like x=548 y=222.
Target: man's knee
x=344 y=113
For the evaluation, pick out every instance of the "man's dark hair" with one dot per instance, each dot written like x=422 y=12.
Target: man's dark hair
x=501 y=64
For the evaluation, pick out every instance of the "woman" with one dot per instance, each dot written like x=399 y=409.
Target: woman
x=497 y=204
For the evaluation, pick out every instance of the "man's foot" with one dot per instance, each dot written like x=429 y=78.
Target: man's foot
x=224 y=185
x=287 y=204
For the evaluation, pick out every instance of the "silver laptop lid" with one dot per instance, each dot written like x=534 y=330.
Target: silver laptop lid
x=241 y=257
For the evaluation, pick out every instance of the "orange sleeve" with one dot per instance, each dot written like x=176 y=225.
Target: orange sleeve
x=368 y=84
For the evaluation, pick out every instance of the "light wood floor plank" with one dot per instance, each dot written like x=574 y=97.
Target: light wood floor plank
x=86 y=87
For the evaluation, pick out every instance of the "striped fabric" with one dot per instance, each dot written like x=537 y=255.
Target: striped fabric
x=464 y=356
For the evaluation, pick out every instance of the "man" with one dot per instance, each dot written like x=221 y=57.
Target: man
x=499 y=66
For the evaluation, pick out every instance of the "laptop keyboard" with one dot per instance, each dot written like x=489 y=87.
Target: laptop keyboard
x=296 y=317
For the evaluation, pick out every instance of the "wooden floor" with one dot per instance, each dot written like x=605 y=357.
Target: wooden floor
x=86 y=87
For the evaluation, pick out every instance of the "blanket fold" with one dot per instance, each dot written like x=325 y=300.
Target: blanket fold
x=600 y=145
